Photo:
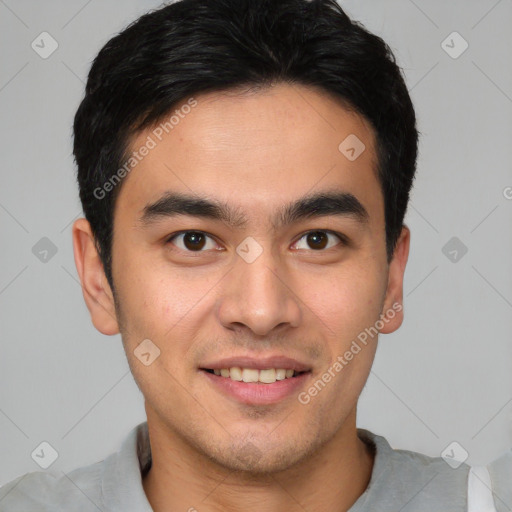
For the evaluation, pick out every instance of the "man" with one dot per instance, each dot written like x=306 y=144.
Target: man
x=244 y=169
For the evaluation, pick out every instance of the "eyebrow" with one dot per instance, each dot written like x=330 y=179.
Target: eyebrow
x=326 y=203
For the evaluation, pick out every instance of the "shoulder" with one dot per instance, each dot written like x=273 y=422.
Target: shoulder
x=500 y=474
x=41 y=491
x=113 y=483
x=413 y=480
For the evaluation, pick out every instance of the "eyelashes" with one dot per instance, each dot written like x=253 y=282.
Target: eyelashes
x=197 y=240
x=193 y=241
x=314 y=235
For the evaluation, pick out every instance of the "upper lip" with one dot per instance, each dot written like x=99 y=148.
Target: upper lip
x=257 y=363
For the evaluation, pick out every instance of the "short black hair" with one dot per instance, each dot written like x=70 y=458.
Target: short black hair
x=196 y=46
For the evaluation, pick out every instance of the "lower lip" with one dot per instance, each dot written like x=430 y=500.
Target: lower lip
x=257 y=394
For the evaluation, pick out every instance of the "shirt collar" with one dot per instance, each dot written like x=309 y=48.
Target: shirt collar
x=123 y=471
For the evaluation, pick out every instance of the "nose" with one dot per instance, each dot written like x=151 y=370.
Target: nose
x=259 y=296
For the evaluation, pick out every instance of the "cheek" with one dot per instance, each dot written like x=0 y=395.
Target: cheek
x=159 y=301
x=346 y=301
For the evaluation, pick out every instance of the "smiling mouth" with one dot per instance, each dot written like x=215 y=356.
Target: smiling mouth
x=252 y=375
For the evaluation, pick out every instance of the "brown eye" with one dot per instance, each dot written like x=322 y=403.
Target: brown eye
x=194 y=241
x=318 y=240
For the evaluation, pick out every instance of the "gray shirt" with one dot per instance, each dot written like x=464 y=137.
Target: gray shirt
x=500 y=472
x=401 y=480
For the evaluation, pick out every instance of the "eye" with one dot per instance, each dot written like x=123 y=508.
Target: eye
x=318 y=240
x=192 y=241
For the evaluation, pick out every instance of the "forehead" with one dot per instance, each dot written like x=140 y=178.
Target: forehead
x=255 y=151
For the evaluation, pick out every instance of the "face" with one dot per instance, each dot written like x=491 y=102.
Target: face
x=265 y=276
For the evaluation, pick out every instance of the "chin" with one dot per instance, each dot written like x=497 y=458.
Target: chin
x=260 y=457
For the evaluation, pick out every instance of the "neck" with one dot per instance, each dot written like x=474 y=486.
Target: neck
x=332 y=478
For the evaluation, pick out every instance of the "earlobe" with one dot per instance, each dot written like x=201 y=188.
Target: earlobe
x=95 y=288
x=392 y=312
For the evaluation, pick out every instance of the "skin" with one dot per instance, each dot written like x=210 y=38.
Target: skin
x=254 y=151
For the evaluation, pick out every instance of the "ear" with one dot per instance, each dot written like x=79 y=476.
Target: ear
x=393 y=302
x=95 y=288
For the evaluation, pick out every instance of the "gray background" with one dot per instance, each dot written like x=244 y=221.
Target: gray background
x=444 y=376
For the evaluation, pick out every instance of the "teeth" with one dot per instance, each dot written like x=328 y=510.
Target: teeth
x=235 y=373
x=280 y=374
x=267 y=376
x=249 y=375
